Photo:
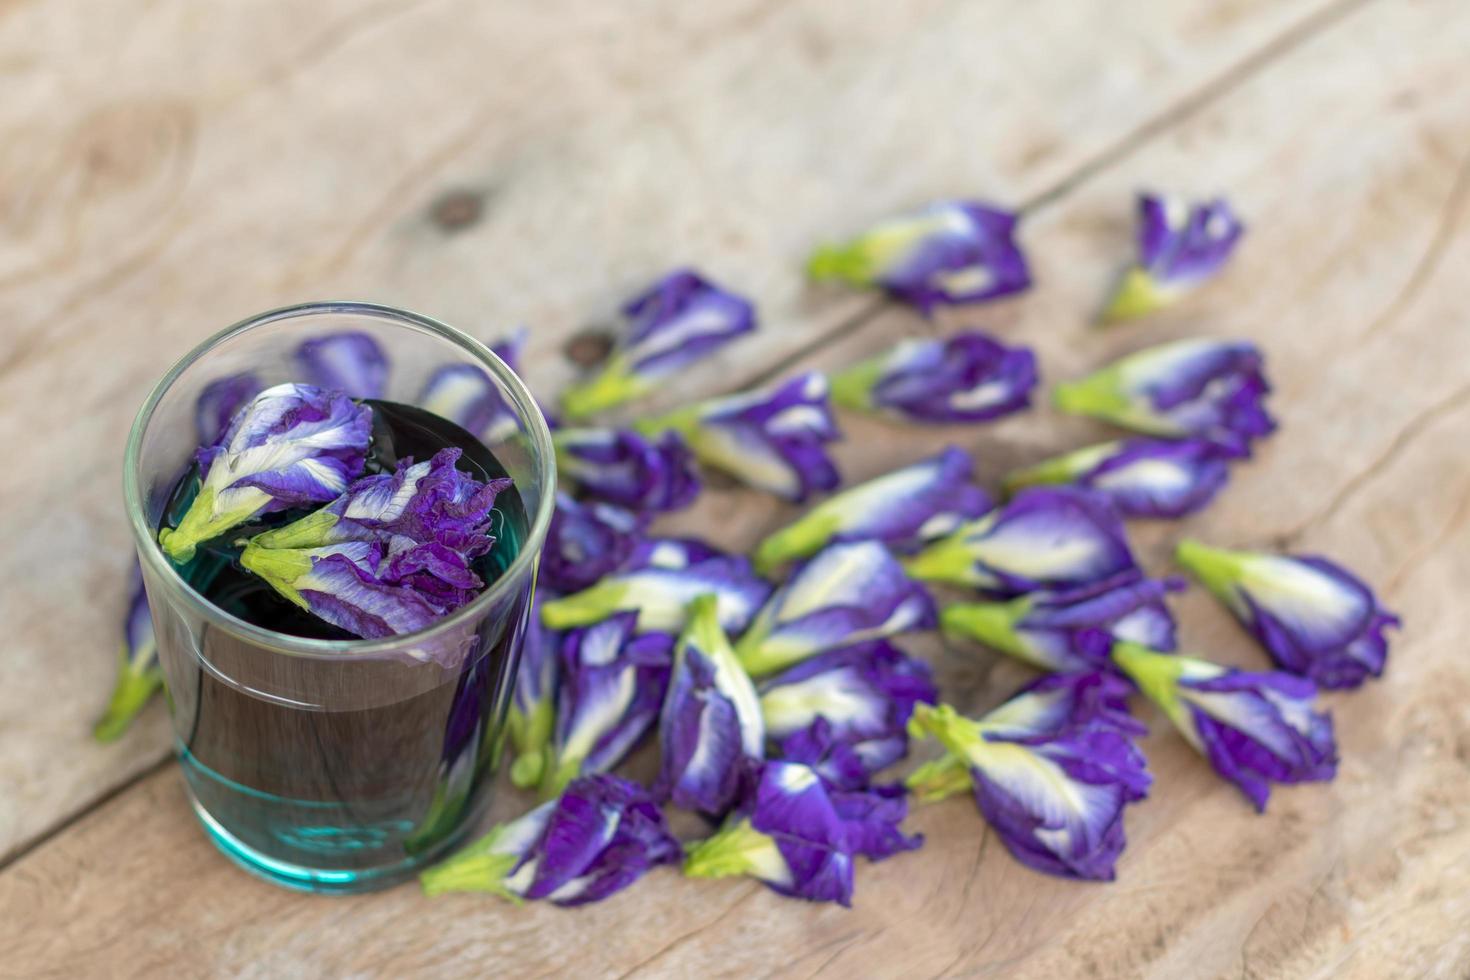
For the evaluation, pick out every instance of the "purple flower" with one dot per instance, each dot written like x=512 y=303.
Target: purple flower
x=680 y=320
x=1314 y=617
x=917 y=503
x=1052 y=770
x=838 y=762
x=862 y=694
x=218 y=403
x=623 y=468
x=612 y=685
x=601 y=835
x=586 y=542
x=799 y=835
x=771 y=439
x=711 y=721
x=138 y=673
x=293 y=445
x=672 y=553
x=352 y=363
x=847 y=594
x=1255 y=728
x=1213 y=390
x=1141 y=477
x=1070 y=629
x=1179 y=247
x=1045 y=538
x=969 y=377
x=950 y=252
x=660 y=594
x=531 y=720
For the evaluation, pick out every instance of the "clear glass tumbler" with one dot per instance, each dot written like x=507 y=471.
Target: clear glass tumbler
x=337 y=765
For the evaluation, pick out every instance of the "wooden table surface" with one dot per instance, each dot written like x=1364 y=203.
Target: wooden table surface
x=167 y=167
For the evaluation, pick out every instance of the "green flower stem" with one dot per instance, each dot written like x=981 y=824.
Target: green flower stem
x=990 y=623
x=940 y=779
x=1215 y=568
x=280 y=567
x=475 y=869
x=843 y=263
x=1137 y=294
x=736 y=849
x=853 y=388
x=584 y=608
x=947 y=560
x=805 y=537
x=530 y=735
x=311 y=531
x=1156 y=674
x=131 y=692
x=612 y=386
x=1059 y=469
x=1097 y=395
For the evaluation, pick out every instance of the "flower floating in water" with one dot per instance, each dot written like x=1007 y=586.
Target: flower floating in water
x=352 y=363
x=660 y=594
x=1179 y=247
x=1314 y=617
x=1210 y=389
x=601 y=835
x=1047 y=537
x=770 y=439
x=292 y=445
x=622 y=467
x=1071 y=629
x=847 y=594
x=908 y=506
x=587 y=541
x=947 y=253
x=711 y=720
x=968 y=377
x=1255 y=728
x=138 y=674
x=681 y=319
x=1052 y=770
x=1141 y=477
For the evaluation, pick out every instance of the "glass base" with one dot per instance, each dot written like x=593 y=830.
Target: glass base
x=318 y=880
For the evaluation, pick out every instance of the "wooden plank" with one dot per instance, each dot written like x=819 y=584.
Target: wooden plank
x=165 y=172
x=1364 y=877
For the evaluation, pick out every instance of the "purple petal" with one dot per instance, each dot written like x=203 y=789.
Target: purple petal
x=622 y=467
x=586 y=542
x=1180 y=245
x=968 y=377
x=466 y=395
x=872 y=817
x=352 y=363
x=218 y=403
x=1158 y=478
x=352 y=598
x=681 y=319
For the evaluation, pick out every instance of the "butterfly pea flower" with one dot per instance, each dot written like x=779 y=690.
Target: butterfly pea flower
x=969 y=377
x=466 y=395
x=1047 y=537
x=1141 y=477
x=711 y=719
x=1052 y=771
x=624 y=468
x=659 y=596
x=1179 y=247
x=613 y=681
x=799 y=835
x=1213 y=390
x=847 y=594
x=531 y=721
x=350 y=362
x=680 y=320
x=863 y=694
x=218 y=403
x=460 y=758
x=672 y=553
x=598 y=837
x=1314 y=617
x=1256 y=728
x=917 y=503
x=1070 y=629
x=292 y=445
x=138 y=673
x=587 y=541
x=837 y=761
x=770 y=439
x=947 y=253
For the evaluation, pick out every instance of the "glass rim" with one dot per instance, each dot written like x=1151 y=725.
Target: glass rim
x=523 y=564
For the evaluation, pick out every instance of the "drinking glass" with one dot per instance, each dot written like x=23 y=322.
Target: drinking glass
x=337 y=765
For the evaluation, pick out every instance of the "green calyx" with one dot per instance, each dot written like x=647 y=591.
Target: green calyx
x=312 y=531
x=736 y=849
x=1156 y=674
x=132 y=691
x=1215 y=568
x=1137 y=294
x=530 y=736
x=1059 y=469
x=990 y=623
x=1098 y=395
x=850 y=263
x=198 y=525
x=853 y=388
x=280 y=567
x=556 y=776
x=947 y=560
x=475 y=869
x=940 y=779
x=612 y=386
x=584 y=608
x=805 y=537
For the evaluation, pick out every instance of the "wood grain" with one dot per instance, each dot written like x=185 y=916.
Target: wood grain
x=1348 y=154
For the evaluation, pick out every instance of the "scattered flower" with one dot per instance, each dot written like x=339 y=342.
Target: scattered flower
x=1210 y=389
x=1047 y=537
x=351 y=362
x=847 y=594
x=466 y=395
x=771 y=439
x=293 y=445
x=681 y=319
x=622 y=467
x=908 y=506
x=531 y=720
x=1141 y=477
x=1314 y=617
x=138 y=672
x=1052 y=770
x=1179 y=247
x=1255 y=728
x=612 y=684
x=587 y=541
x=601 y=835
x=1070 y=629
x=672 y=553
x=711 y=720
x=968 y=377
x=947 y=253
x=659 y=595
